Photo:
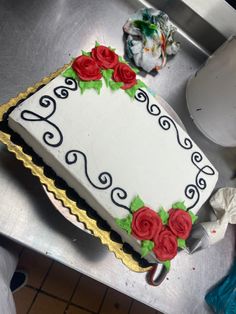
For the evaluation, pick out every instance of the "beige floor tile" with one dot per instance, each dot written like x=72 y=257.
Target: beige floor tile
x=36 y=265
x=23 y=299
x=47 y=305
x=140 y=308
x=61 y=281
x=116 y=303
x=89 y=294
x=75 y=310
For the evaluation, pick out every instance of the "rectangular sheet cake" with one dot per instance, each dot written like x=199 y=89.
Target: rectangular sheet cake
x=113 y=147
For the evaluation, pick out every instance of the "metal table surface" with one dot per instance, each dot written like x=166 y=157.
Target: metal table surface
x=37 y=37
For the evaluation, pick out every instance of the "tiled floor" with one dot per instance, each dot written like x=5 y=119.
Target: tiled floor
x=55 y=289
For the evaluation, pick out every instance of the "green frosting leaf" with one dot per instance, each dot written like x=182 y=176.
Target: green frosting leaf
x=113 y=49
x=115 y=85
x=193 y=217
x=179 y=205
x=147 y=28
x=136 y=204
x=107 y=74
x=132 y=91
x=125 y=223
x=164 y=215
x=167 y=265
x=90 y=84
x=97 y=44
x=69 y=72
x=135 y=70
x=146 y=247
x=181 y=243
x=86 y=53
x=141 y=84
x=121 y=59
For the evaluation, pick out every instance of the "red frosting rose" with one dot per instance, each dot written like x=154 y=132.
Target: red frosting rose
x=123 y=73
x=146 y=224
x=180 y=223
x=165 y=245
x=105 y=57
x=86 y=68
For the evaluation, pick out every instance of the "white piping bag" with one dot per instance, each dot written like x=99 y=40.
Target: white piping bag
x=205 y=234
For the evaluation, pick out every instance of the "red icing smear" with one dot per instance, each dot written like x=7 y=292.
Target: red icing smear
x=163 y=42
x=213 y=231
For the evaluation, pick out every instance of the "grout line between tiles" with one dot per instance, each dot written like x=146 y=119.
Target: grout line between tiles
x=34 y=298
x=103 y=299
x=72 y=294
x=38 y=290
x=68 y=303
x=82 y=308
x=74 y=304
x=130 y=307
x=60 y=299
x=47 y=293
x=21 y=252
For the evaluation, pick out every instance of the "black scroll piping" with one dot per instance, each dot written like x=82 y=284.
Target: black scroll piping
x=142 y=96
x=207 y=170
x=191 y=191
x=49 y=136
x=120 y=194
x=54 y=137
x=62 y=91
x=164 y=121
x=104 y=178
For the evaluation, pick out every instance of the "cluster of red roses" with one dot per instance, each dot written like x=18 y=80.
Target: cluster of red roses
x=147 y=225
x=89 y=68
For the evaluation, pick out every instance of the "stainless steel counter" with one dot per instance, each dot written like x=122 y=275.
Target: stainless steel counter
x=37 y=37
x=218 y=13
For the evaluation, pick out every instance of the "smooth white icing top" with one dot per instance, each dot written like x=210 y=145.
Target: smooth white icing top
x=119 y=136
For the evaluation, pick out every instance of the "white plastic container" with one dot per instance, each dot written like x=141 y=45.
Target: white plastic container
x=211 y=95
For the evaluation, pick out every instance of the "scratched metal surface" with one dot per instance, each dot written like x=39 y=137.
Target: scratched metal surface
x=37 y=37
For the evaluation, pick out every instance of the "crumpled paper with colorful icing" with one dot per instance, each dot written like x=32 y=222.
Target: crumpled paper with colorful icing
x=150 y=39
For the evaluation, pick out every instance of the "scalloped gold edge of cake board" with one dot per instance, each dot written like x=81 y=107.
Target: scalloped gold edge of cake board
x=60 y=194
